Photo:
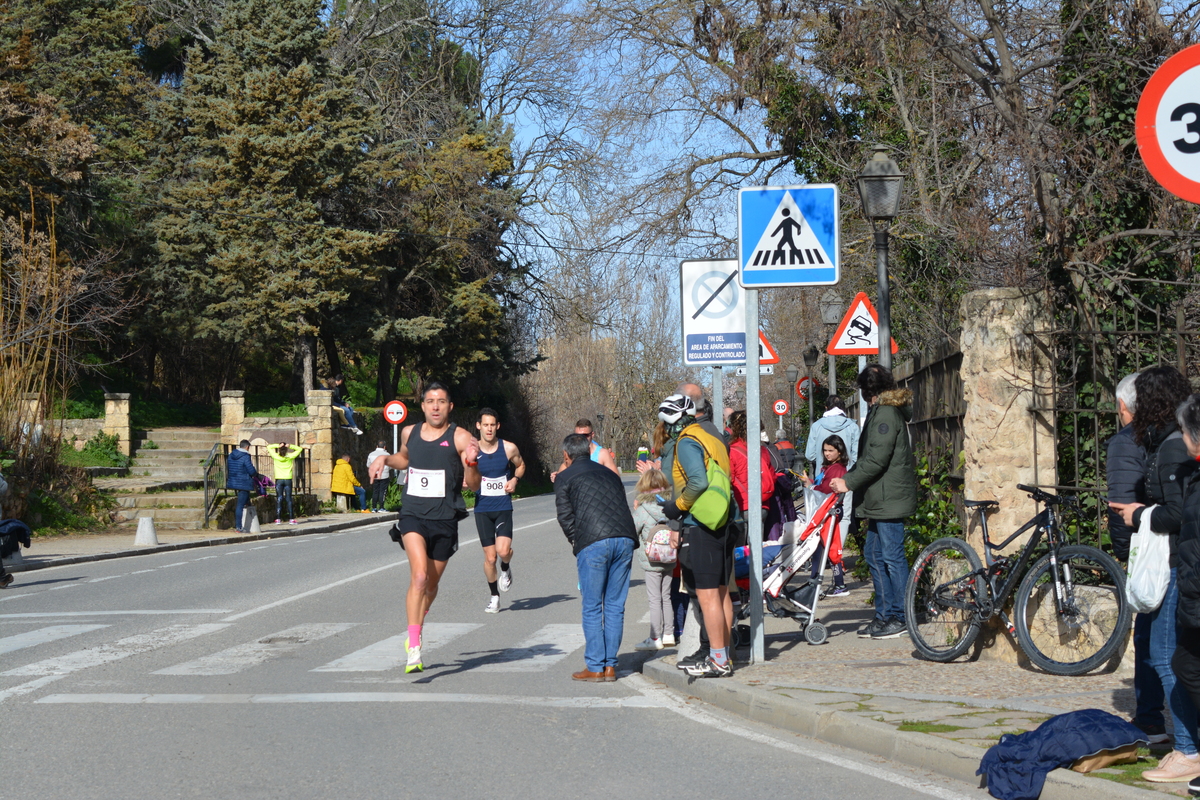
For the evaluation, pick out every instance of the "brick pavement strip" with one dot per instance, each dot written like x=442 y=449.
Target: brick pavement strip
x=860 y=693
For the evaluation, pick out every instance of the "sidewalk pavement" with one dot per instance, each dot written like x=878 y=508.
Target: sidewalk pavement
x=57 y=551
x=876 y=696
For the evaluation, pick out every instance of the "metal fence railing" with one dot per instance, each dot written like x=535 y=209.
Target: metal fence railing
x=215 y=490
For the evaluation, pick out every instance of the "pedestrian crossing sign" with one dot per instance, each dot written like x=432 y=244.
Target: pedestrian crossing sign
x=788 y=236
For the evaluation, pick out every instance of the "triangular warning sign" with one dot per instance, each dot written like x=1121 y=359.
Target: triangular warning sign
x=858 y=333
x=766 y=353
x=788 y=241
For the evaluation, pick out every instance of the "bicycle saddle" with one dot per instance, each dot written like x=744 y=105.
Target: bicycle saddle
x=981 y=503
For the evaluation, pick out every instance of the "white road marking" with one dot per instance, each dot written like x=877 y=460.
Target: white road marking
x=547 y=646
x=176 y=564
x=235 y=552
x=261 y=547
x=64 y=586
x=123 y=648
x=645 y=619
x=358 y=697
x=15 y=596
x=535 y=524
x=390 y=653
x=664 y=698
x=251 y=654
x=109 y=578
x=136 y=612
x=140 y=571
x=43 y=635
x=31 y=686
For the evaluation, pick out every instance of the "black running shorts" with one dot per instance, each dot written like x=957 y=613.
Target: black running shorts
x=491 y=524
x=441 y=535
x=705 y=557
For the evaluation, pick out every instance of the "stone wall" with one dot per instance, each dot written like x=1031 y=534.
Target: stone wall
x=115 y=422
x=76 y=432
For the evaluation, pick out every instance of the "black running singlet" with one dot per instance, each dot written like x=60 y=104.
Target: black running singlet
x=435 y=477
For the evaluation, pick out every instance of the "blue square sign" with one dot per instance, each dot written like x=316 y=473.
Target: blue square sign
x=788 y=236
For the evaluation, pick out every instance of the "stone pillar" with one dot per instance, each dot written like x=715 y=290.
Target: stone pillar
x=1009 y=422
x=233 y=414
x=116 y=420
x=320 y=418
x=1005 y=377
x=32 y=411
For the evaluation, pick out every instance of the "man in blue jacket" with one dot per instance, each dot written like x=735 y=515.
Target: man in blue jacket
x=239 y=476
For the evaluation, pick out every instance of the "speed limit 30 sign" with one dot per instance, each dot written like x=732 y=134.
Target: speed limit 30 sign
x=781 y=407
x=1168 y=124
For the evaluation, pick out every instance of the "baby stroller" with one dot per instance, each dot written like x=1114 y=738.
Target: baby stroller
x=781 y=563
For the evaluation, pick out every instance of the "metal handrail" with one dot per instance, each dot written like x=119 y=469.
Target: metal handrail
x=214 y=481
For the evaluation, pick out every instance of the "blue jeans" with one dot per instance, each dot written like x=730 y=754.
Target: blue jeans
x=884 y=551
x=239 y=517
x=604 y=581
x=283 y=491
x=1147 y=686
x=361 y=493
x=349 y=412
x=1162 y=648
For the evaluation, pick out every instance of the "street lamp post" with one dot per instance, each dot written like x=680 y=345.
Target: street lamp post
x=879 y=188
x=811 y=357
x=831 y=315
x=793 y=375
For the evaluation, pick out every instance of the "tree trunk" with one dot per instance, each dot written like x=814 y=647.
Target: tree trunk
x=304 y=359
x=383 y=378
x=331 y=352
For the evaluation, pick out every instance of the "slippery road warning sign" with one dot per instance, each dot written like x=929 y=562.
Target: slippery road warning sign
x=788 y=236
x=858 y=333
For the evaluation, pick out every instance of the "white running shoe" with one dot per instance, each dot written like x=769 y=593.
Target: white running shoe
x=668 y=640
x=493 y=606
x=649 y=644
x=414 y=659
x=506 y=579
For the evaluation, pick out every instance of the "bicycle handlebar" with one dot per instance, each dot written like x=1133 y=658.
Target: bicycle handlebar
x=1049 y=499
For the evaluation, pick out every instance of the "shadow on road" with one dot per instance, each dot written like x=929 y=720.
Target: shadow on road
x=532 y=603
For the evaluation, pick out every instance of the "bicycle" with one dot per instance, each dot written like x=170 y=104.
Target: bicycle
x=1070 y=610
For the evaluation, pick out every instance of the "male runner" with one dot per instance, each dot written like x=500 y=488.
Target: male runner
x=500 y=465
x=440 y=458
x=599 y=452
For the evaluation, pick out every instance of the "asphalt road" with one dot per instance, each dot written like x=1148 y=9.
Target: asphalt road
x=275 y=670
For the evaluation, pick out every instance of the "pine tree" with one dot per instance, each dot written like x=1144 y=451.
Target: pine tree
x=264 y=147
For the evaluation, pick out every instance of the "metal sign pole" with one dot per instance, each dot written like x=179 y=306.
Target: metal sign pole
x=718 y=398
x=754 y=531
x=862 y=403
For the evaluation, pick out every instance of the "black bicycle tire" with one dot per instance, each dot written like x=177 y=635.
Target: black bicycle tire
x=1025 y=591
x=911 y=615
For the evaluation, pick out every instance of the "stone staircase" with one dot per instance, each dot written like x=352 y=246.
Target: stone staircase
x=165 y=482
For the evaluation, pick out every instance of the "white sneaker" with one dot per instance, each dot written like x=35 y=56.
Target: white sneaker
x=506 y=579
x=668 y=640
x=414 y=659
x=649 y=644
x=493 y=606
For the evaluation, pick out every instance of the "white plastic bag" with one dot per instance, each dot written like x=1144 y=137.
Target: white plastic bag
x=1149 y=566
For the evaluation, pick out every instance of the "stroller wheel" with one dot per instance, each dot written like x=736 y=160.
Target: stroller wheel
x=739 y=636
x=816 y=633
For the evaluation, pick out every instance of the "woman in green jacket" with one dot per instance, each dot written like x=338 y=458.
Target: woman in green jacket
x=284 y=457
x=884 y=483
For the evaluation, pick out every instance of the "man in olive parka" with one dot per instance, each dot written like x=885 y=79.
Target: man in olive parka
x=884 y=483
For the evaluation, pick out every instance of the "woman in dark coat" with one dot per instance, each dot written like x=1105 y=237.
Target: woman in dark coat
x=239 y=476
x=1160 y=390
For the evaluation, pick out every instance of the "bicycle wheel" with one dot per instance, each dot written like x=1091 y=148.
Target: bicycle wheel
x=1095 y=615
x=941 y=602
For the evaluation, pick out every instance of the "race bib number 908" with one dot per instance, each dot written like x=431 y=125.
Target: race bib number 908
x=493 y=487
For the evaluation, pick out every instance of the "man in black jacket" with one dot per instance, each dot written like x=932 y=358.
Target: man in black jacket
x=595 y=517
x=1125 y=470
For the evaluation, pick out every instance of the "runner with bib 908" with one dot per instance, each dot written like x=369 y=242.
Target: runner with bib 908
x=500 y=465
x=440 y=458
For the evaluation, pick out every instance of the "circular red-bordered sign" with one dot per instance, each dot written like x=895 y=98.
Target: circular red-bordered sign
x=395 y=412
x=781 y=407
x=1168 y=124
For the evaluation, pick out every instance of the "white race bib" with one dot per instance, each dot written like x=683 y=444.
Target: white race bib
x=426 y=482
x=493 y=487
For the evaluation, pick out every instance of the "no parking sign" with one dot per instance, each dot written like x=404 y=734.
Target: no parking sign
x=1168 y=124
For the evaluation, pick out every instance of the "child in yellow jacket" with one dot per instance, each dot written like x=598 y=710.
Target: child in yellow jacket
x=345 y=483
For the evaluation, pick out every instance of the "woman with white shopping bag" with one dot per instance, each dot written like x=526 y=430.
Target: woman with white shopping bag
x=1160 y=391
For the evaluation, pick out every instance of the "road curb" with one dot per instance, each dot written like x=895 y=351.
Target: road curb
x=943 y=756
x=28 y=566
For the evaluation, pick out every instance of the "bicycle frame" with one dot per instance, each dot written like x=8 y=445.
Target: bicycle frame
x=1044 y=523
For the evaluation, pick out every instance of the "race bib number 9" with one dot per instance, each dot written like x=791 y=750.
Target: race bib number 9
x=493 y=487
x=426 y=482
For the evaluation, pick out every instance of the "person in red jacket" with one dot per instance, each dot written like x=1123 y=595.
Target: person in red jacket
x=833 y=453
x=739 y=464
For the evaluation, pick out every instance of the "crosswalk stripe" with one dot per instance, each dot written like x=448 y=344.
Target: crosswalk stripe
x=123 y=648
x=43 y=635
x=548 y=646
x=251 y=654
x=636 y=701
x=390 y=653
